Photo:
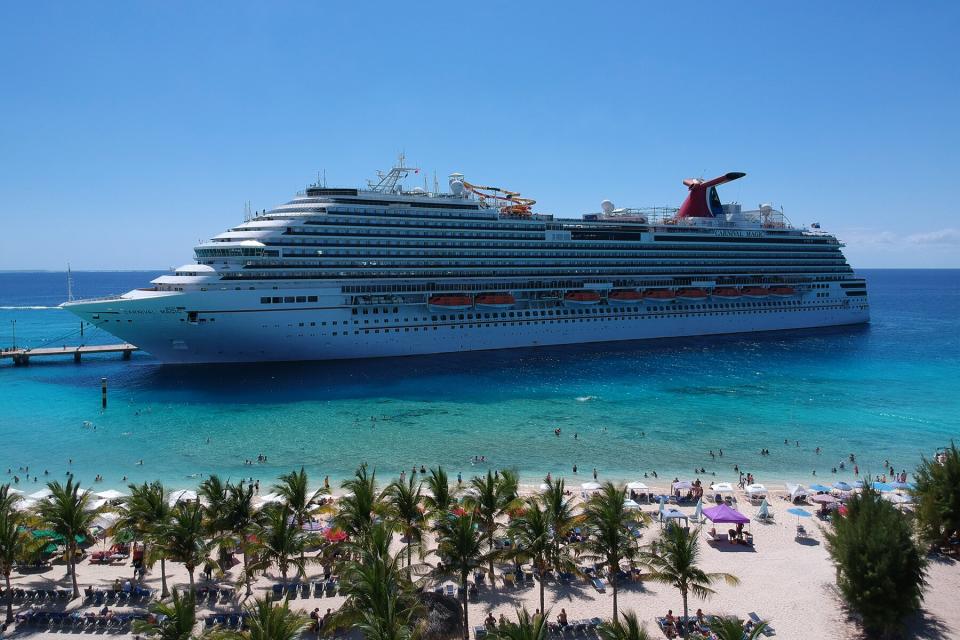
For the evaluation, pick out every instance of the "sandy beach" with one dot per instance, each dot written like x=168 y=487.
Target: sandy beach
x=788 y=583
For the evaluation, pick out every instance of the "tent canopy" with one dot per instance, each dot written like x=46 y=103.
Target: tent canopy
x=724 y=514
x=756 y=489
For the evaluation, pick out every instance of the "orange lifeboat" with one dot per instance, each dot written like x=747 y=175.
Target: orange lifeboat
x=625 y=296
x=451 y=302
x=783 y=292
x=692 y=295
x=755 y=292
x=725 y=293
x=496 y=300
x=659 y=295
x=584 y=297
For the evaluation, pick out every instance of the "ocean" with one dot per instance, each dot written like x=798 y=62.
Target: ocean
x=887 y=392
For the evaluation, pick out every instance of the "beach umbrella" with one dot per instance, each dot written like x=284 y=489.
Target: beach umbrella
x=764 y=511
x=111 y=494
x=900 y=486
x=335 y=535
x=842 y=486
x=183 y=495
x=544 y=487
x=682 y=484
x=40 y=495
x=698 y=513
x=590 y=486
x=882 y=487
x=662 y=503
x=823 y=498
x=820 y=488
x=800 y=513
x=630 y=505
x=722 y=487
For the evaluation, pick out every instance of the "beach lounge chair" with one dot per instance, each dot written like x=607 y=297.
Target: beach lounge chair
x=755 y=619
x=277 y=591
x=509 y=580
x=449 y=590
x=599 y=585
x=479 y=632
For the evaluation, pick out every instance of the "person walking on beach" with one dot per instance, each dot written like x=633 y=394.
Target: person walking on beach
x=594 y=473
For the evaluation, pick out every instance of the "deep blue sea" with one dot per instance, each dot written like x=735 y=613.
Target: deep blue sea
x=887 y=391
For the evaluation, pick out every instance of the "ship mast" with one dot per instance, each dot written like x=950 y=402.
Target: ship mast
x=389 y=181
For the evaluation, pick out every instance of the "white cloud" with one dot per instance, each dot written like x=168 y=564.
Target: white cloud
x=942 y=237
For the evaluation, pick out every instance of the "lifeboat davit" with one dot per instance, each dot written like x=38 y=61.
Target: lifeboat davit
x=659 y=295
x=725 y=293
x=582 y=297
x=783 y=292
x=693 y=295
x=496 y=300
x=451 y=302
x=625 y=296
x=755 y=292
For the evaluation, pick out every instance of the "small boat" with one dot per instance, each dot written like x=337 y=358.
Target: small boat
x=584 y=297
x=783 y=292
x=694 y=295
x=451 y=302
x=755 y=292
x=725 y=293
x=496 y=300
x=624 y=296
x=659 y=295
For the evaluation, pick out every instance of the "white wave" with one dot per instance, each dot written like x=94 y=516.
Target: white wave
x=586 y=398
x=26 y=308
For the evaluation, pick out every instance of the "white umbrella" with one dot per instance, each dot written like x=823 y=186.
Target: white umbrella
x=591 y=486
x=722 y=487
x=40 y=495
x=637 y=486
x=544 y=487
x=764 y=511
x=183 y=495
x=698 y=514
x=96 y=504
x=106 y=520
x=796 y=490
x=756 y=490
x=111 y=494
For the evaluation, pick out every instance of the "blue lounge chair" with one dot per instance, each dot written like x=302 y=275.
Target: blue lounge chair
x=599 y=585
x=755 y=619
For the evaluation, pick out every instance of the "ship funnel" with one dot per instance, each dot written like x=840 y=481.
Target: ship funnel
x=703 y=201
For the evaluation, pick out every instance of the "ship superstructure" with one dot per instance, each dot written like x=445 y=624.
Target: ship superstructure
x=384 y=271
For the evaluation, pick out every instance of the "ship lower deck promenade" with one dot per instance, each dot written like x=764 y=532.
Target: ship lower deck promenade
x=22 y=357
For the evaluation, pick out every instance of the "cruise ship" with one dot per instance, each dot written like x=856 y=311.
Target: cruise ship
x=388 y=271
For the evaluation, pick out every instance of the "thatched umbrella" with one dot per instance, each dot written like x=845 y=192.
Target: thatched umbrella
x=443 y=617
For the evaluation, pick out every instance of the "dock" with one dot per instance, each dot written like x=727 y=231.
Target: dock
x=22 y=357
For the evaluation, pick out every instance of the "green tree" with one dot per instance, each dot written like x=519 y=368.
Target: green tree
x=280 y=541
x=8 y=498
x=213 y=494
x=439 y=498
x=183 y=538
x=406 y=511
x=610 y=537
x=362 y=503
x=67 y=511
x=294 y=488
x=675 y=563
x=880 y=568
x=937 y=489
x=381 y=600
x=459 y=547
x=527 y=627
x=531 y=534
x=268 y=621
x=171 y=621
x=16 y=544
x=627 y=627
x=240 y=518
x=147 y=513
x=733 y=628
x=489 y=499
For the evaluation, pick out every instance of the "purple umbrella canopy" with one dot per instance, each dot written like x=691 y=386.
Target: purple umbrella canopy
x=724 y=514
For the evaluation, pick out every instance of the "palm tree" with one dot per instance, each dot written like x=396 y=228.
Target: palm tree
x=8 y=498
x=733 y=628
x=358 y=508
x=404 y=508
x=279 y=541
x=381 y=599
x=675 y=563
x=490 y=498
x=67 y=511
x=183 y=537
x=531 y=535
x=179 y=617
x=527 y=627
x=240 y=519
x=268 y=621
x=293 y=488
x=147 y=513
x=562 y=521
x=459 y=548
x=439 y=498
x=16 y=544
x=213 y=492
x=610 y=538
x=627 y=628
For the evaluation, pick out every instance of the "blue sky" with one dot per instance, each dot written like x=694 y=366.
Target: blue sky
x=129 y=130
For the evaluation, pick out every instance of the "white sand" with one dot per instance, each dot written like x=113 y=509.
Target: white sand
x=786 y=582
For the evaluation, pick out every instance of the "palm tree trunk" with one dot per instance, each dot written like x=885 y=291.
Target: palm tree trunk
x=71 y=563
x=190 y=571
x=164 y=592
x=613 y=583
x=9 y=597
x=542 y=609
x=490 y=547
x=246 y=571
x=463 y=600
x=684 y=594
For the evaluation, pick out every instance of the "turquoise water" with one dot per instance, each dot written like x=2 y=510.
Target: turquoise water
x=889 y=391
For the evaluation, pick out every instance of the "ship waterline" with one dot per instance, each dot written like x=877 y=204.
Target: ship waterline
x=347 y=273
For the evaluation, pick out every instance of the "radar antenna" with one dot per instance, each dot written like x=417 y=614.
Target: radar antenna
x=389 y=181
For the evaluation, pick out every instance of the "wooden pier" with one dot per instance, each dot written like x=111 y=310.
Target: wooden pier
x=22 y=357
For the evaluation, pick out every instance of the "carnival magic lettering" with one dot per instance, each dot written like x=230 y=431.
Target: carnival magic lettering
x=738 y=233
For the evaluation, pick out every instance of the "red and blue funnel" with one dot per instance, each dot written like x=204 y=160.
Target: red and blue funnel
x=703 y=201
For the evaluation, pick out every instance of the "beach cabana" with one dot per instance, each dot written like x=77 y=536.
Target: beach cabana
x=674 y=516
x=587 y=488
x=111 y=494
x=182 y=495
x=796 y=491
x=631 y=505
x=681 y=485
x=637 y=486
x=722 y=487
x=722 y=514
x=41 y=495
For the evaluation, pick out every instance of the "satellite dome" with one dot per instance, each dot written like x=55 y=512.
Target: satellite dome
x=607 y=206
x=456 y=184
x=418 y=190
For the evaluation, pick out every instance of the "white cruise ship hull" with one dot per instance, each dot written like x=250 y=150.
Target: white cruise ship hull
x=233 y=327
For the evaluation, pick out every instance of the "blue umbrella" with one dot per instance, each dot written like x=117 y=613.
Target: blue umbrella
x=800 y=513
x=883 y=486
x=858 y=484
x=842 y=486
x=821 y=488
x=902 y=485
